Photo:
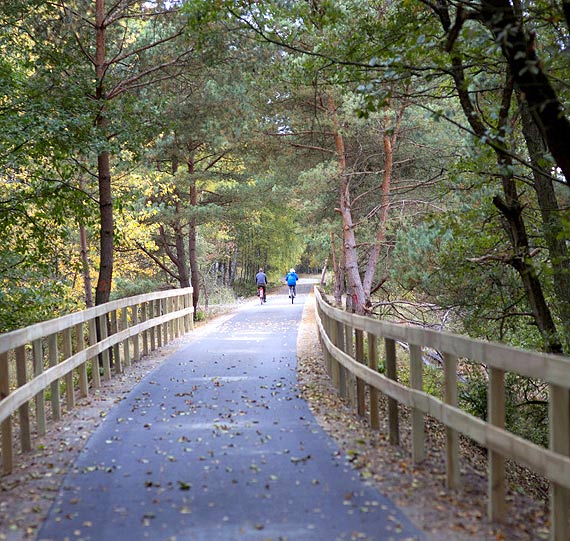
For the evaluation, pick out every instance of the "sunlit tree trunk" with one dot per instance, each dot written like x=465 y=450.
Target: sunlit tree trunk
x=103 y=289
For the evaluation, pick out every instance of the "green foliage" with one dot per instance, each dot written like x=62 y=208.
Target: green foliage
x=129 y=288
x=526 y=403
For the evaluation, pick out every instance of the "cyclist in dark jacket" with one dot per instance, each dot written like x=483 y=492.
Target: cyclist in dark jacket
x=261 y=280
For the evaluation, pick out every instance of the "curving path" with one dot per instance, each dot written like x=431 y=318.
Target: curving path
x=216 y=445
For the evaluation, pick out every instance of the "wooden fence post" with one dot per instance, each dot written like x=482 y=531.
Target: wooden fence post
x=82 y=369
x=496 y=505
x=6 y=429
x=559 y=420
x=116 y=347
x=359 y=355
x=68 y=352
x=351 y=380
x=105 y=354
x=416 y=382
x=152 y=330
x=178 y=304
x=126 y=348
x=341 y=344
x=452 y=439
x=157 y=313
x=136 y=338
x=40 y=401
x=391 y=372
x=24 y=409
x=328 y=357
x=144 y=317
x=335 y=370
x=189 y=304
x=372 y=391
x=95 y=375
x=53 y=355
x=165 y=326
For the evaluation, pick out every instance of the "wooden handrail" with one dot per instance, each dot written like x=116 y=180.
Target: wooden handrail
x=21 y=337
x=163 y=316
x=553 y=463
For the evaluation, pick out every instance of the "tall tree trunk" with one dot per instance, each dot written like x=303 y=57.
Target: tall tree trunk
x=184 y=279
x=354 y=286
x=85 y=271
x=85 y=268
x=103 y=289
x=192 y=253
x=509 y=206
x=551 y=220
x=338 y=272
x=521 y=261
x=389 y=138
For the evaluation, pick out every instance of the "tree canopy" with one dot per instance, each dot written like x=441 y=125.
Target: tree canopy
x=418 y=149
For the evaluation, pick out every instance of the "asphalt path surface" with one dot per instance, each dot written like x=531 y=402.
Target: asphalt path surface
x=216 y=445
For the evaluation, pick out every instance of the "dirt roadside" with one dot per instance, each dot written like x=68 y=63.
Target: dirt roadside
x=27 y=494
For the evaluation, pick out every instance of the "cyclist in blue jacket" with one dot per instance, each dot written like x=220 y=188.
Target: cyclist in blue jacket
x=291 y=280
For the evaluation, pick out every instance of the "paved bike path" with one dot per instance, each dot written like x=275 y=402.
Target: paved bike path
x=216 y=445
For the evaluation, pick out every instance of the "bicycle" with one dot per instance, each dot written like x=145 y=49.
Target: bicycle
x=260 y=294
x=292 y=293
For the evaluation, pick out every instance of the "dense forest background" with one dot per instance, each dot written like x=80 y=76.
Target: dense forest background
x=418 y=149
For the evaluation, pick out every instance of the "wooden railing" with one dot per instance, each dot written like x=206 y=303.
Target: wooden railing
x=344 y=337
x=59 y=358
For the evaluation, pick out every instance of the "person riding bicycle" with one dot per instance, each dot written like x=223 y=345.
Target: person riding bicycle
x=291 y=279
x=261 y=281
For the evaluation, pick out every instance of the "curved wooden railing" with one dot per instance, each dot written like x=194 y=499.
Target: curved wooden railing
x=343 y=338
x=59 y=358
